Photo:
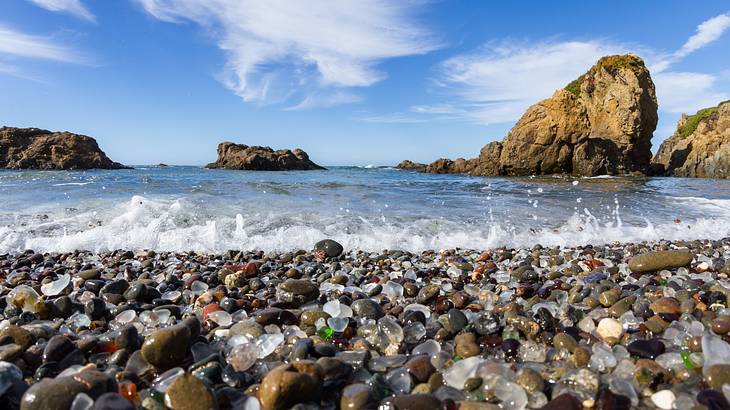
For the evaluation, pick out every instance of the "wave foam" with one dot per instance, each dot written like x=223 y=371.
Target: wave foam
x=178 y=224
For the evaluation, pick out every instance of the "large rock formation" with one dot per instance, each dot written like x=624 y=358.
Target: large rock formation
x=700 y=148
x=243 y=157
x=601 y=123
x=33 y=148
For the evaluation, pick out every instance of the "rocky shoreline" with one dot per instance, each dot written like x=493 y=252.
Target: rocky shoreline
x=34 y=148
x=609 y=327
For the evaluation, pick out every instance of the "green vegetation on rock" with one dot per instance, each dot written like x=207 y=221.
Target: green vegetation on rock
x=619 y=61
x=692 y=121
x=574 y=86
x=610 y=63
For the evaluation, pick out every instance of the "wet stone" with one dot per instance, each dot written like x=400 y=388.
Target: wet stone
x=288 y=384
x=648 y=349
x=187 y=392
x=658 y=260
x=297 y=291
x=167 y=347
x=329 y=247
x=455 y=321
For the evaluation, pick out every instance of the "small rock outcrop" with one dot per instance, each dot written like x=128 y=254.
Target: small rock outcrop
x=700 y=148
x=601 y=123
x=253 y=158
x=33 y=148
x=409 y=165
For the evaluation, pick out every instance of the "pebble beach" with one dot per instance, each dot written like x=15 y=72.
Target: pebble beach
x=613 y=326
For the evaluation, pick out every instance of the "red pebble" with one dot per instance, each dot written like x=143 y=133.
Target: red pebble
x=210 y=308
x=106 y=347
x=251 y=269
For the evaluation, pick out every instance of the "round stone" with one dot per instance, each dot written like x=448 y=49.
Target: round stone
x=609 y=328
x=187 y=392
x=289 y=384
x=330 y=248
x=367 y=308
x=166 y=348
x=717 y=375
x=565 y=341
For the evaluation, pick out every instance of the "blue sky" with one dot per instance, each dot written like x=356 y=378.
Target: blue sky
x=351 y=82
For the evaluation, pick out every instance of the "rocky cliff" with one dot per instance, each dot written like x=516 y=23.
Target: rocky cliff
x=601 y=123
x=33 y=148
x=700 y=148
x=244 y=157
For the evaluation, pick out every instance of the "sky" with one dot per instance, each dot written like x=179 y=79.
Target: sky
x=352 y=82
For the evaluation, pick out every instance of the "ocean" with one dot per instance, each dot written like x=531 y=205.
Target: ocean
x=182 y=208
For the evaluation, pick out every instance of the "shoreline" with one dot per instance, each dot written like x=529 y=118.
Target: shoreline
x=628 y=324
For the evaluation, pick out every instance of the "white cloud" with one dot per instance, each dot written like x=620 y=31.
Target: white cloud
x=707 y=32
x=73 y=7
x=680 y=92
x=279 y=50
x=18 y=44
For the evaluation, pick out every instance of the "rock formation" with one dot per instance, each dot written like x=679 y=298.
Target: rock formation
x=700 y=148
x=243 y=157
x=601 y=123
x=33 y=148
x=412 y=166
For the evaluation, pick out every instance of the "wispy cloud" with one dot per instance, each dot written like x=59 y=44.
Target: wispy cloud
x=73 y=7
x=391 y=118
x=19 y=44
x=279 y=51
x=498 y=81
x=707 y=32
x=325 y=100
x=16 y=45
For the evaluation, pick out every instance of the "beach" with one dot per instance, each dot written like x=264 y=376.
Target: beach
x=613 y=326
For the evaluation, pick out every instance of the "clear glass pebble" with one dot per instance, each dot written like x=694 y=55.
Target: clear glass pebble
x=172 y=295
x=456 y=375
x=198 y=287
x=393 y=290
x=82 y=401
x=163 y=381
x=57 y=286
x=332 y=308
x=419 y=308
x=714 y=351
x=429 y=347
x=126 y=316
x=338 y=324
x=511 y=395
x=221 y=317
x=267 y=343
x=399 y=381
x=243 y=356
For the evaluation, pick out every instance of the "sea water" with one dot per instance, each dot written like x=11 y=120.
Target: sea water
x=367 y=208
